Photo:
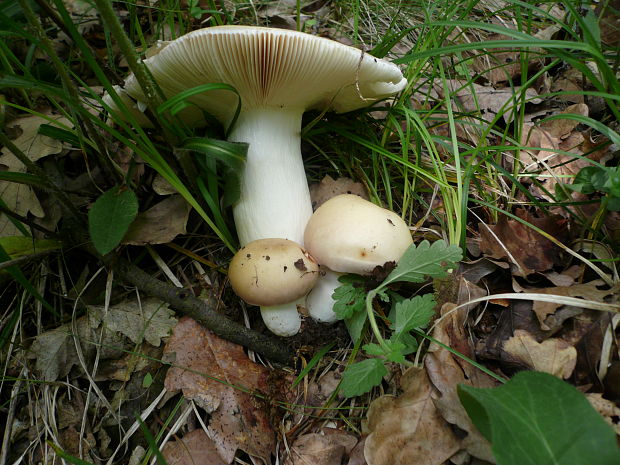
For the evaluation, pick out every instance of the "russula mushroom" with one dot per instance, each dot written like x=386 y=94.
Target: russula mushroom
x=278 y=74
x=273 y=273
x=348 y=234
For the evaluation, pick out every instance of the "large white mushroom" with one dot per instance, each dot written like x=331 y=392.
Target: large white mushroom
x=348 y=234
x=279 y=74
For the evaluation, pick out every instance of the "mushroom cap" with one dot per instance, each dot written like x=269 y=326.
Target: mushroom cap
x=351 y=235
x=268 y=67
x=271 y=272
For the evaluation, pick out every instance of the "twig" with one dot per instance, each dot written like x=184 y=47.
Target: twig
x=203 y=312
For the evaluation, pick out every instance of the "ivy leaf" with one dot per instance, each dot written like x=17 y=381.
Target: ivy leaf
x=425 y=260
x=350 y=298
x=361 y=377
x=414 y=313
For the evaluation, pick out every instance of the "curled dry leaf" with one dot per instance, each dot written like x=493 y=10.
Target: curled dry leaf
x=219 y=377
x=160 y=224
x=409 y=429
x=553 y=356
x=319 y=449
x=192 y=449
x=528 y=250
x=446 y=371
x=329 y=187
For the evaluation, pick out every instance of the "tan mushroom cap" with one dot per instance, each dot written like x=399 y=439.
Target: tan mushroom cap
x=269 y=68
x=271 y=272
x=351 y=235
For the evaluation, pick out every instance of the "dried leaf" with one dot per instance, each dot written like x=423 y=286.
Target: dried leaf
x=192 y=449
x=446 y=371
x=160 y=224
x=329 y=187
x=151 y=320
x=553 y=356
x=525 y=248
x=213 y=372
x=587 y=291
x=608 y=410
x=319 y=449
x=408 y=429
x=20 y=198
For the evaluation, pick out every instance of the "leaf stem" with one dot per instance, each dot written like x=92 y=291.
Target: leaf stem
x=370 y=297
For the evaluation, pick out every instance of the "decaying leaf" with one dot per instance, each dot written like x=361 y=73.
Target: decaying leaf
x=588 y=291
x=608 y=410
x=321 y=449
x=160 y=224
x=329 y=187
x=213 y=372
x=20 y=198
x=553 y=356
x=194 y=448
x=149 y=320
x=528 y=250
x=446 y=371
x=408 y=429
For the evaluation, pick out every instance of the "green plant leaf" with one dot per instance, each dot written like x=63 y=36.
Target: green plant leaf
x=536 y=418
x=110 y=217
x=350 y=297
x=409 y=342
x=414 y=313
x=355 y=325
x=18 y=246
x=425 y=260
x=361 y=377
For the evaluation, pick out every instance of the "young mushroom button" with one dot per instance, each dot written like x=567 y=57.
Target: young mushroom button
x=273 y=272
x=278 y=74
x=348 y=234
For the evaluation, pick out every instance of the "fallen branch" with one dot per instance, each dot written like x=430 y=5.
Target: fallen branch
x=203 y=311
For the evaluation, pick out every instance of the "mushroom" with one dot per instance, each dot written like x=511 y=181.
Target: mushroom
x=273 y=273
x=278 y=74
x=348 y=234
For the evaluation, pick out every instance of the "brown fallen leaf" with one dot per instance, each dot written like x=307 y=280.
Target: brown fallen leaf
x=553 y=356
x=159 y=224
x=219 y=377
x=526 y=249
x=329 y=187
x=408 y=429
x=319 y=449
x=446 y=371
x=608 y=410
x=588 y=291
x=195 y=448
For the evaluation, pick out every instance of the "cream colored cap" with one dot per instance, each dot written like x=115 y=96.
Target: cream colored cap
x=272 y=272
x=269 y=67
x=351 y=235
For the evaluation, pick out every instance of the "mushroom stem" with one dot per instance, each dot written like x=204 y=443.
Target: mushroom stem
x=319 y=301
x=283 y=320
x=275 y=200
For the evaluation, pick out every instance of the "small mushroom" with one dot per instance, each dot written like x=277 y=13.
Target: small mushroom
x=348 y=234
x=274 y=273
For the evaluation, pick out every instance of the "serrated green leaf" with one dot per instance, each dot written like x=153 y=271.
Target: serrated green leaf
x=361 y=377
x=536 y=418
x=110 y=217
x=373 y=349
x=355 y=325
x=349 y=298
x=414 y=313
x=425 y=260
x=408 y=340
